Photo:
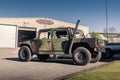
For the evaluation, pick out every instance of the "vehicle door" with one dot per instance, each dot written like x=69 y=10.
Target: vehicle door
x=46 y=43
x=60 y=41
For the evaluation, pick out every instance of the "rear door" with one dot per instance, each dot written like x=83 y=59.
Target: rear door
x=45 y=43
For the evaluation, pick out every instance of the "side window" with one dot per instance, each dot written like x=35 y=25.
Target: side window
x=45 y=35
x=61 y=34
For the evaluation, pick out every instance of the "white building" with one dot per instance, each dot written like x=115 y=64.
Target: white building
x=11 y=27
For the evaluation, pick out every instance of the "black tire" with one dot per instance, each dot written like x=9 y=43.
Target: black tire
x=81 y=56
x=96 y=57
x=25 y=54
x=43 y=57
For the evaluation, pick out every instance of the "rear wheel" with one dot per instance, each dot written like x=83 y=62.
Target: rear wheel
x=43 y=57
x=24 y=53
x=96 y=57
x=81 y=56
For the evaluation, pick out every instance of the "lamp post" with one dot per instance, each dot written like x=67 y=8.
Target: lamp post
x=106 y=3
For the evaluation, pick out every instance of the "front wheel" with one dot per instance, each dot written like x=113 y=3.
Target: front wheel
x=96 y=57
x=81 y=56
x=24 y=53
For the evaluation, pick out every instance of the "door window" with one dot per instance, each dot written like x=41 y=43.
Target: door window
x=60 y=41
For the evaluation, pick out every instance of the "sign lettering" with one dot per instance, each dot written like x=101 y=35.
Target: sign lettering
x=43 y=21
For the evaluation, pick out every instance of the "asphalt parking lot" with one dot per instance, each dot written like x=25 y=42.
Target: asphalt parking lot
x=13 y=69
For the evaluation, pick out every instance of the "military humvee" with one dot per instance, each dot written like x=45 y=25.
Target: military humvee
x=61 y=43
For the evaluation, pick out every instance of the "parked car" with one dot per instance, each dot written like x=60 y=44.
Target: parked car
x=111 y=50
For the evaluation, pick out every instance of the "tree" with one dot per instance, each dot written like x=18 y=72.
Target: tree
x=96 y=35
x=110 y=30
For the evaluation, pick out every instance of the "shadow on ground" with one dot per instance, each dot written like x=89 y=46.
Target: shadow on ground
x=64 y=61
x=35 y=59
x=12 y=59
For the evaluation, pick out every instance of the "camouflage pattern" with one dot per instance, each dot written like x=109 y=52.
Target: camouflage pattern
x=58 y=41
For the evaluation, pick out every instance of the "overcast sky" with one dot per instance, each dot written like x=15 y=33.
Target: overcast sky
x=90 y=12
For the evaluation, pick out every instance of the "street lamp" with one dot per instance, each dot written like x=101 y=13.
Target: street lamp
x=106 y=3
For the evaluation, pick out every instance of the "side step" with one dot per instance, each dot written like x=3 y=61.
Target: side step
x=65 y=56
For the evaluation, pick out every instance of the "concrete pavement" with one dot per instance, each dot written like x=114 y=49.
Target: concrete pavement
x=13 y=69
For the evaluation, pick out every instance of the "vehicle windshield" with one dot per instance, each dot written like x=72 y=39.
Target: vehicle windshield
x=78 y=34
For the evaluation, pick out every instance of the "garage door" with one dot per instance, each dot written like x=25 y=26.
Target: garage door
x=8 y=36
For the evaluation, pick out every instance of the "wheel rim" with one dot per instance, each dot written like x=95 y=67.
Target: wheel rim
x=81 y=55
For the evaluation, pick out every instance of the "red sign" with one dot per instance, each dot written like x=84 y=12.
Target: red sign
x=44 y=21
